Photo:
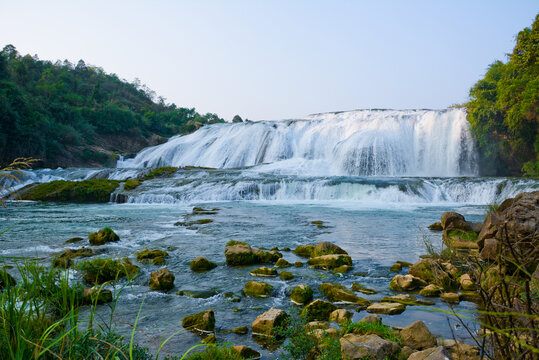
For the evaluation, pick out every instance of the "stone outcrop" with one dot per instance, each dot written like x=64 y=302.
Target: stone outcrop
x=267 y=323
x=162 y=279
x=327 y=248
x=103 y=236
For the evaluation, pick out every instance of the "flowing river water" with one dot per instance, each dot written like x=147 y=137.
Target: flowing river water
x=375 y=178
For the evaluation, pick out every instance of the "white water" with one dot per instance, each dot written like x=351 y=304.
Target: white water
x=357 y=143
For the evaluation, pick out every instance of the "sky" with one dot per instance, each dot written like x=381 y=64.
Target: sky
x=278 y=59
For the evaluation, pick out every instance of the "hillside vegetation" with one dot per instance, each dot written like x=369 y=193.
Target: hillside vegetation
x=78 y=115
x=503 y=110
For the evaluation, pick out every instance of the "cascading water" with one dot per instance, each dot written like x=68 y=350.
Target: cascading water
x=356 y=143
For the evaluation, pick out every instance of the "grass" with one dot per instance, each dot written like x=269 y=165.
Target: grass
x=91 y=191
x=365 y=328
x=131 y=184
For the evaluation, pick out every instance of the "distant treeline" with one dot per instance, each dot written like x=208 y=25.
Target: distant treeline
x=77 y=115
x=504 y=110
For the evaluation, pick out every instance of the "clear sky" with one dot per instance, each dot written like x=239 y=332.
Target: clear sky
x=278 y=59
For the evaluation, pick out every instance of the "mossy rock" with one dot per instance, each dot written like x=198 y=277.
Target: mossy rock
x=437 y=226
x=318 y=310
x=406 y=283
x=263 y=271
x=342 y=269
x=268 y=257
x=327 y=248
x=257 y=289
x=96 y=296
x=202 y=211
x=65 y=258
x=431 y=290
x=338 y=293
x=362 y=289
x=433 y=272
x=317 y=222
x=199 y=294
x=99 y=271
x=460 y=239
x=103 y=236
x=298 y=264
x=162 y=172
x=86 y=191
x=74 y=240
x=282 y=263
x=238 y=253
x=156 y=256
x=450 y=298
x=162 y=279
x=210 y=339
x=301 y=294
x=6 y=279
x=131 y=184
x=304 y=250
x=406 y=299
x=396 y=267
x=329 y=262
x=387 y=308
x=202 y=322
x=286 y=275
x=201 y=264
x=240 y=330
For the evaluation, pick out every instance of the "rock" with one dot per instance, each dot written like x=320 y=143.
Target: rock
x=452 y=219
x=286 y=249
x=6 y=279
x=282 y=263
x=367 y=346
x=406 y=299
x=162 y=279
x=466 y=283
x=475 y=226
x=406 y=351
x=471 y=296
x=301 y=294
x=74 y=240
x=269 y=322
x=156 y=257
x=323 y=334
x=342 y=269
x=241 y=330
x=396 y=267
x=201 y=264
x=267 y=257
x=432 y=271
x=417 y=336
x=406 y=283
x=96 y=296
x=362 y=289
x=435 y=353
x=386 y=308
x=490 y=249
x=239 y=254
x=404 y=263
x=338 y=293
x=431 y=290
x=328 y=262
x=85 y=191
x=257 y=289
x=210 y=339
x=450 y=298
x=99 y=271
x=246 y=352
x=450 y=269
x=437 y=226
x=203 y=322
x=371 y=319
x=298 y=264
x=103 y=236
x=327 y=248
x=263 y=271
x=318 y=310
x=65 y=258
x=199 y=294
x=459 y=350
x=304 y=250
x=340 y=316
x=490 y=228
x=318 y=325
x=286 y=275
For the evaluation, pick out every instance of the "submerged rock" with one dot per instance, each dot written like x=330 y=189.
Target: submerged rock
x=269 y=322
x=338 y=293
x=396 y=267
x=257 y=289
x=329 y=262
x=301 y=294
x=318 y=310
x=263 y=271
x=437 y=226
x=201 y=264
x=203 y=322
x=103 y=236
x=362 y=289
x=199 y=294
x=162 y=279
x=99 y=271
x=156 y=257
x=65 y=258
x=74 y=240
x=240 y=330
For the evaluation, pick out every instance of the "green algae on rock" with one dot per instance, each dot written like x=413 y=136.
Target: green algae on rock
x=86 y=191
x=203 y=322
x=65 y=258
x=99 y=271
x=338 y=293
x=301 y=294
x=103 y=236
x=201 y=264
x=257 y=289
x=156 y=256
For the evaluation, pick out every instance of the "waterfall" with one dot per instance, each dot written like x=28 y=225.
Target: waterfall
x=352 y=143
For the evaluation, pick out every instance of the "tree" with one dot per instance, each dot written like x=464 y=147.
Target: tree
x=237 y=119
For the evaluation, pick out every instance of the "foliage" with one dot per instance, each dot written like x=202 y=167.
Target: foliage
x=503 y=110
x=94 y=190
x=55 y=111
x=9 y=176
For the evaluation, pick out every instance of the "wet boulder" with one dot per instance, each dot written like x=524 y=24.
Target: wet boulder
x=437 y=226
x=257 y=289
x=65 y=258
x=301 y=294
x=201 y=264
x=269 y=322
x=362 y=289
x=203 y=322
x=267 y=257
x=327 y=248
x=450 y=298
x=343 y=269
x=453 y=220
x=238 y=253
x=432 y=271
x=417 y=336
x=338 y=293
x=103 y=236
x=246 y=352
x=304 y=251
x=431 y=290
x=286 y=275
x=282 y=263
x=99 y=271
x=329 y=262
x=162 y=279
x=318 y=310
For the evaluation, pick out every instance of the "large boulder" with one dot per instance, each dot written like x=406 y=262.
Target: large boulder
x=201 y=264
x=267 y=257
x=203 y=322
x=338 y=293
x=329 y=262
x=433 y=272
x=417 y=336
x=318 y=310
x=327 y=248
x=386 y=308
x=367 y=347
x=406 y=283
x=459 y=350
x=238 y=253
x=282 y=263
x=434 y=353
x=269 y=322
x=257 y=289
x=103 y=236
x=162 y=279
x=301 y=294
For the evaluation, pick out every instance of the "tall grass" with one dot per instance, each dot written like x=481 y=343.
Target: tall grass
x=9 y=176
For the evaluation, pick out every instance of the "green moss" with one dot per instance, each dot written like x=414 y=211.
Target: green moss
x=301 y=294
x=165 y=171
x=263 y=271
x=156 y=257
x=103 y=236
x=215 y=353
x=328 y=262
x=94 y=190
x=318 y=310
x=463 y=235
x=257 y=289
x=304 y=250
x=366 y=328
x=131 y=184
x=234 y=242
x=99 y=271
x=65 y=258
x=286 y=275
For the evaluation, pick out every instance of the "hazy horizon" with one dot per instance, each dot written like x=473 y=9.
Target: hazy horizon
x=269 y=60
